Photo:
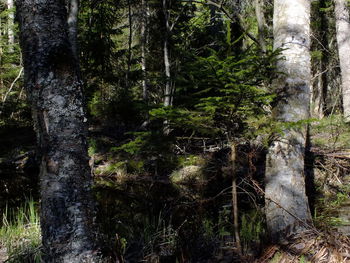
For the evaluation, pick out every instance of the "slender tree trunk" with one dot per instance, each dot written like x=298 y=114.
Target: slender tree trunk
x=144 y=45
x=259 y=12
x=287 y=209
x=343 y=41
x=168 y=89
x=320 y=83
x=129 y=46
x=55 y=92
x=10 y=25
x=73 y=9
x=235 y=214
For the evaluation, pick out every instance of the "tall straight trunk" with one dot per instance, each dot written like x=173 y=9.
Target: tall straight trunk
x=10 y=25
x=73 y=9
x=287 y=209
x=259 y=13
x=343 y=40
x=129 y=45
x=55 y=92
x=319 y=92
x=144 y=45
x=168 y=98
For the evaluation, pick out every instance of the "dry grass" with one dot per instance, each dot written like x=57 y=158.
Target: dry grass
x=310 y=246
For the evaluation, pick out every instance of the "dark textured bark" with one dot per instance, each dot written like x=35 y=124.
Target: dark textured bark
x=287 y=209
x=55 y=92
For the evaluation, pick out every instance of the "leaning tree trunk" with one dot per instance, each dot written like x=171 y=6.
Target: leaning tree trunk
x=287 y=209
x=55 y=92
x=343 y=41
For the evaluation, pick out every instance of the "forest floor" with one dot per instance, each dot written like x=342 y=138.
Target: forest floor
x=157 y=215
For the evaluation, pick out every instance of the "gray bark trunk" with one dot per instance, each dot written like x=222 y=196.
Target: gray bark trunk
x=343 y=41
x=55 y=92
x=287 y=208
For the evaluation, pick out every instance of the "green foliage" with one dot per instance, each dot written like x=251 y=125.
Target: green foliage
x=252 y=228
x=108 y=169
x=161 y=238
x=228 y=90
x=13 y=109
x=151 y=151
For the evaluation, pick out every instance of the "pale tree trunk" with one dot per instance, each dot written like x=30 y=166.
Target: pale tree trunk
x=55 y=92
x=168 y=98
x=287 y=209
x=343 y=41
x=10 y=25
x=144 y=46
x=260 y=17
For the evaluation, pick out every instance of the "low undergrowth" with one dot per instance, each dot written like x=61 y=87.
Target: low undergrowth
x=20 y=236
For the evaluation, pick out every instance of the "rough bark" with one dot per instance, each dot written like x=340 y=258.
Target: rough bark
x=343 y=41
x=55 y=92
x=287 y=209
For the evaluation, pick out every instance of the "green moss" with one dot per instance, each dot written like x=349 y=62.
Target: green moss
x=112 y=168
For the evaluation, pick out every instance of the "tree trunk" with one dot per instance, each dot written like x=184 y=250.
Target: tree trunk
x=144 y=45
x=73 y=9
x=287 y=209
x=10 y=25
x=129 y=46
x=259 y=13
x=343 y=41
x=320 y=84
x=55 y=92
x=168 y=89
x=235 y=214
